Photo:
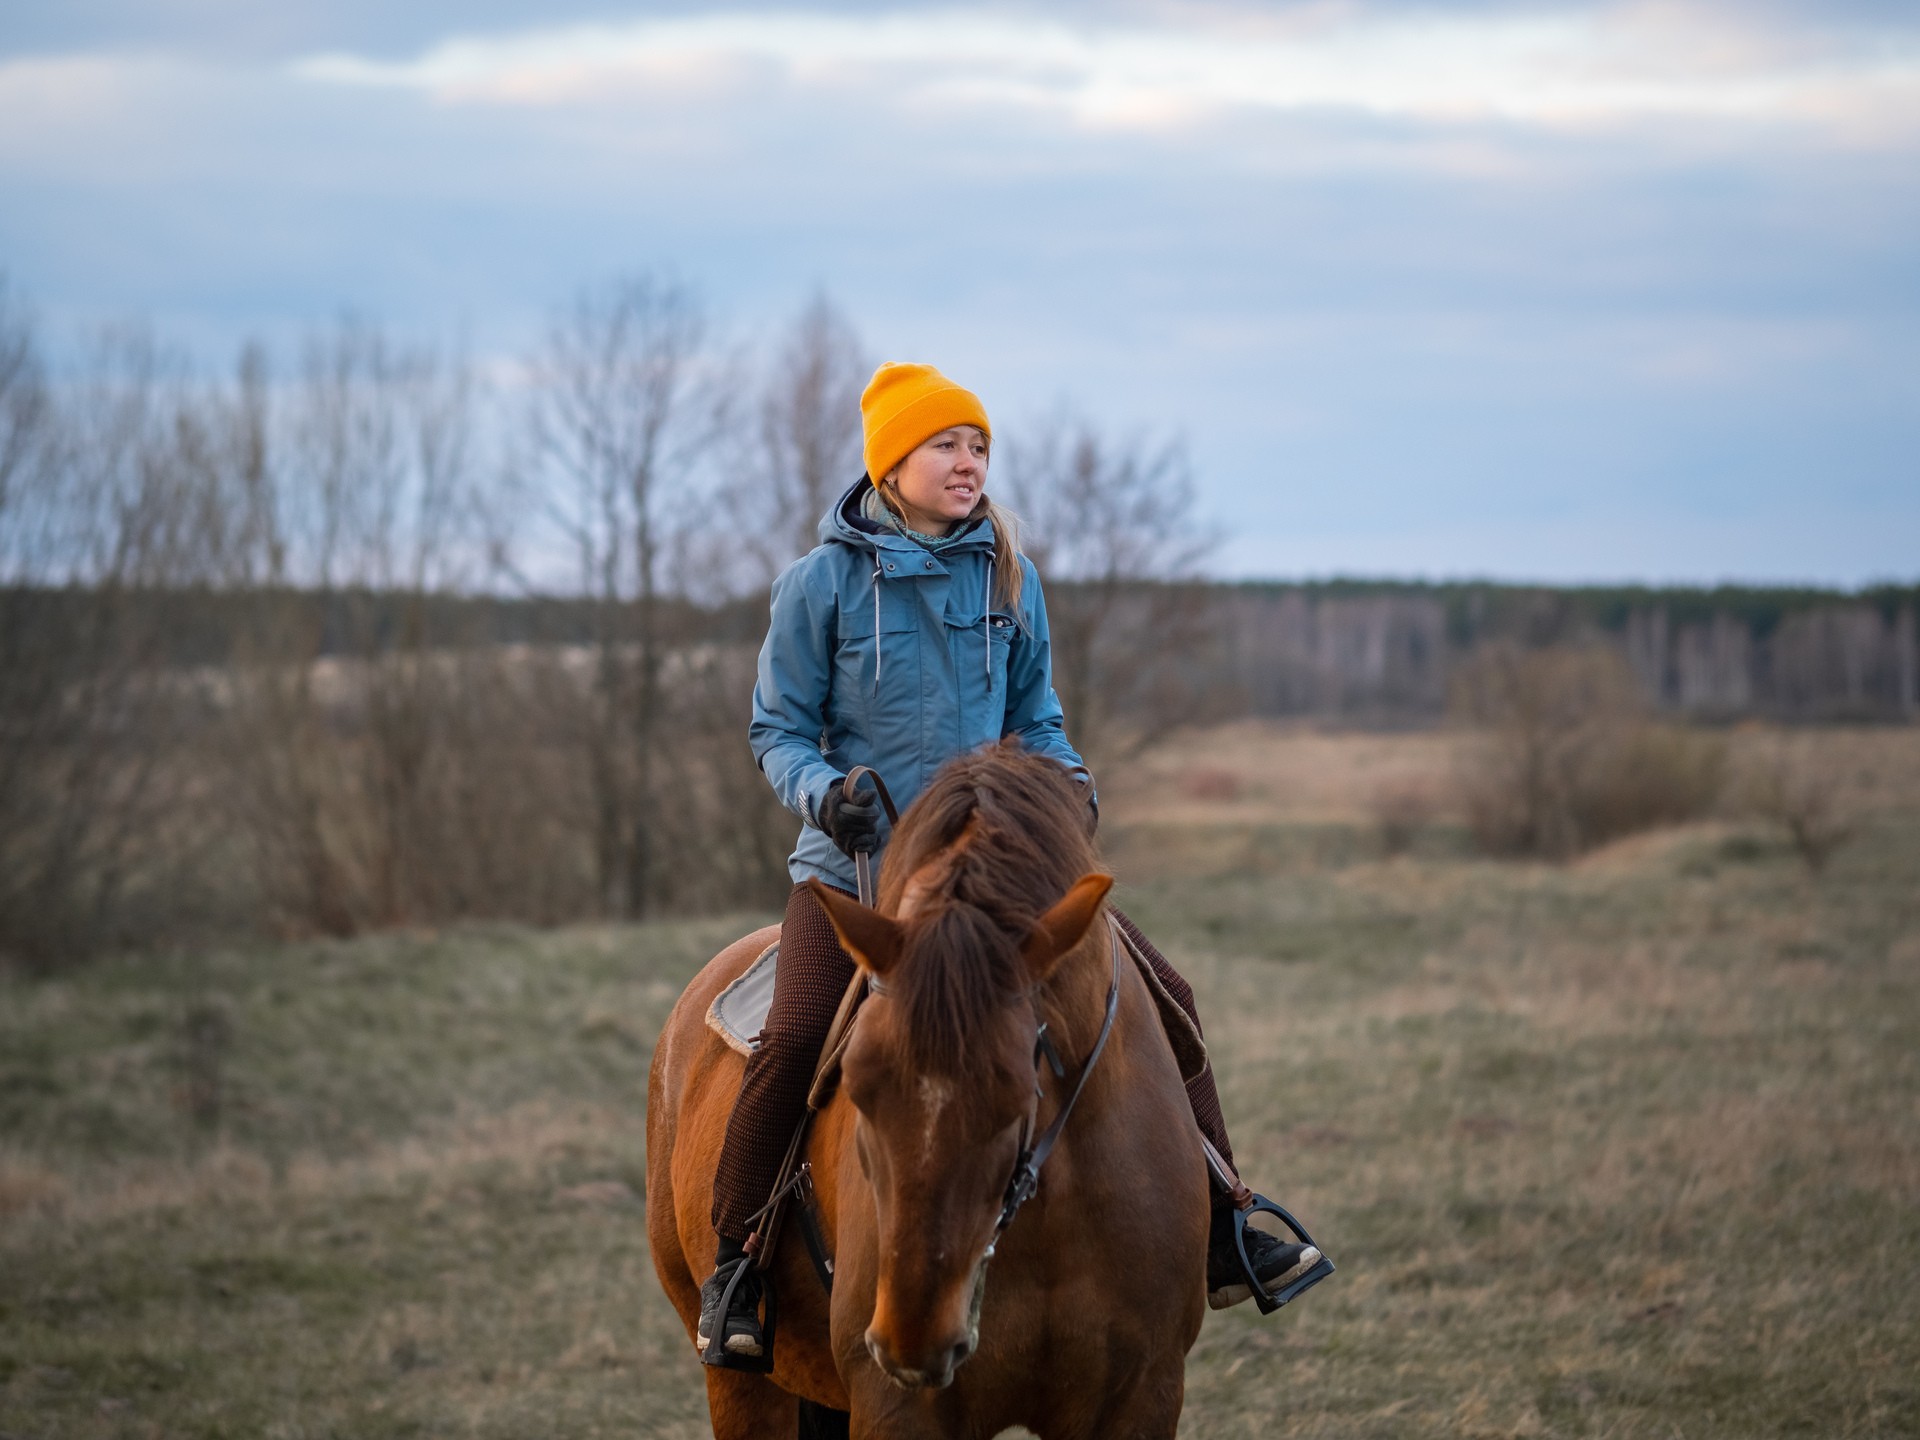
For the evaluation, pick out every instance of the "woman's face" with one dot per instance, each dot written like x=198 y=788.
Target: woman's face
x=942 y=479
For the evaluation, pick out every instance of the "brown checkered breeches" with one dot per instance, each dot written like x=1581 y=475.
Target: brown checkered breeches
x=812 y=976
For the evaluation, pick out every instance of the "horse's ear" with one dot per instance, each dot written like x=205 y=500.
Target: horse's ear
x=871 y=938
x=1063 y=927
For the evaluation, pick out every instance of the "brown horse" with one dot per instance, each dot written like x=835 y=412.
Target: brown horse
x=1077 y=1322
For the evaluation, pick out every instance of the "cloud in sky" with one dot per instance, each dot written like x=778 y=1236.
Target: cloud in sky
x=1520 y=288
x=1566 y=68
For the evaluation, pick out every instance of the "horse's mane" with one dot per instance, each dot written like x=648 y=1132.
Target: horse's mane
x=1016 y=826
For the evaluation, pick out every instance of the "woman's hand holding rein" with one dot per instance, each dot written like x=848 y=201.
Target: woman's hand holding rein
x=853 y=825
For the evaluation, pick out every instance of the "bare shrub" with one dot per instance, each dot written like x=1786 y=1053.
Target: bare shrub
x=726 y=833
x=1644 y=776
x=1569 y=758
x=97 y=525
x=1401 y=810
x=1790 y=783
x=373 y=758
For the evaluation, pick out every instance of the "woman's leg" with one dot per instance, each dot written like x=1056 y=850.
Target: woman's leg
x=1200 y=1090
x=808 y=985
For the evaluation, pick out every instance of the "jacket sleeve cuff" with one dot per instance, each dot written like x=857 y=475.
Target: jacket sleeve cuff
x=812 y=792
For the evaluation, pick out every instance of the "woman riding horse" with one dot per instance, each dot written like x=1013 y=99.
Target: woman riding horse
x=914 y=632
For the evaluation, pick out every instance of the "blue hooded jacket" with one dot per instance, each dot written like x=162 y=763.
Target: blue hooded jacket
x=881 y=653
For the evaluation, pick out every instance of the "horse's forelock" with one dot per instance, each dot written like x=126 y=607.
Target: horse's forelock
x=997 y=838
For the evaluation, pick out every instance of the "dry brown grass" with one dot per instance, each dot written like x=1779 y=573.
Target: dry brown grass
x=1622 y=1148
x=1274 y=773
x=1254 y=773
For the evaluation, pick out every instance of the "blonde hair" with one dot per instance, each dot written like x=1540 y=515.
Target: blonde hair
x=1009 y=574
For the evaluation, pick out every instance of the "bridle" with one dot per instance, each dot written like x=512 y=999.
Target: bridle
x=1025 y=1179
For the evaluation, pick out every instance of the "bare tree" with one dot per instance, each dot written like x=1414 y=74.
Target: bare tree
x=621 y=417
x=366 y=727
x=1110 y=522
x=798 y=446
x=96 y=526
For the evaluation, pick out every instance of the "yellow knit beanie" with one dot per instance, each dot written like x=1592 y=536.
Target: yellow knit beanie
x=903 y=405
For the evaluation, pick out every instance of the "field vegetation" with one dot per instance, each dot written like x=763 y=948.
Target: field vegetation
x=364 y=634
x=1624 y=1146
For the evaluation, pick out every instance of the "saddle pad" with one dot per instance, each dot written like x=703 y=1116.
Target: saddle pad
x=739 y=1012
x=1189 y=1050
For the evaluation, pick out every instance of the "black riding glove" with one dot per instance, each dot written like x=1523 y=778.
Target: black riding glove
x=852 y=825
x=1083 y=777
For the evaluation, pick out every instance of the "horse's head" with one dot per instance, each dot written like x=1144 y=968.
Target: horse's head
x=938 y=1134
x=987 y=887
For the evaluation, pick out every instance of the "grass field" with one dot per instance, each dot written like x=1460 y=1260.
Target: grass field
x=1624 y=1148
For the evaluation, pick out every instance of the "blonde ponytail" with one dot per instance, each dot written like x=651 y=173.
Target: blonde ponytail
x=1010 y=575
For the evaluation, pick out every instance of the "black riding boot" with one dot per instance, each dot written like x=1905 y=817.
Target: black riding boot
x=740 y=1325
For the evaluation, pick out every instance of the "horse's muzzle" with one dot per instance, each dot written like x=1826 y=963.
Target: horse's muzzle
x=937 y=1371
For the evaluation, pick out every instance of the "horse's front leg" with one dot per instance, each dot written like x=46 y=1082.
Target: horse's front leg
x=743 y=1406
x=883 y=1411
x=1146 y=1407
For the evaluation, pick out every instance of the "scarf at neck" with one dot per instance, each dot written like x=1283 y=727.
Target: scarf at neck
x=877 y=510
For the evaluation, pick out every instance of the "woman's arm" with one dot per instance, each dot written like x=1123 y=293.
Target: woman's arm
x=790 y=693
x=1033 y=710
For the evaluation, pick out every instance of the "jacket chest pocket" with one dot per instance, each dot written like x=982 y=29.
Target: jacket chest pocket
x=980 y=649
x=1000 y=630
x=870 y=638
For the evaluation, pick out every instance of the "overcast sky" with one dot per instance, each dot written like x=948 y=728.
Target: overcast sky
x=1528 y=290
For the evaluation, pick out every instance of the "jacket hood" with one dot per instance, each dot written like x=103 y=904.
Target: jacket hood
x=844 y=524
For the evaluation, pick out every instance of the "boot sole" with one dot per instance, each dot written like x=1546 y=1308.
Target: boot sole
x=1227 y=1296
x=736 y=1345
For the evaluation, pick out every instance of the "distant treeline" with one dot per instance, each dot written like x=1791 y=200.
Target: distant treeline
x=1362 y=650
x=1366 y=650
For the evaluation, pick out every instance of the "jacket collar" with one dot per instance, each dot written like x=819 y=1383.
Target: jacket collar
x=845 y=525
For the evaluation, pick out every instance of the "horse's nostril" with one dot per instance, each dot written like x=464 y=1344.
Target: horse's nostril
x=960 y=1353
